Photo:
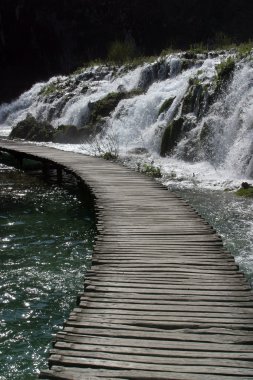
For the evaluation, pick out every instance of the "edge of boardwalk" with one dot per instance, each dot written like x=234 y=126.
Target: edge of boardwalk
x=163 y=299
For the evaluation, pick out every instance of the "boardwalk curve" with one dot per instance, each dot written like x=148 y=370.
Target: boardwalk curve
x=163 y=298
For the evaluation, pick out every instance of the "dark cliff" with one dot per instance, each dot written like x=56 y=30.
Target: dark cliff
x=41 y=38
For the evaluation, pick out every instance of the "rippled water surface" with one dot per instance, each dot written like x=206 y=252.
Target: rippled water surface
x=46 y=236
x=232 y=217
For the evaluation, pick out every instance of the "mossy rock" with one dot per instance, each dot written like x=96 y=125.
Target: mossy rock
x=196 y=100
x=187 y=64
x=70 y=134
x=32 y=130
x=51 y=90
x=166 y=105
x=104 y=106
x=248 y=193
x=224 y=72
x=171 y=136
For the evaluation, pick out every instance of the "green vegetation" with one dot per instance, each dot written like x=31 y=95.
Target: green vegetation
x=120 y=52
x=224 y=72
x=198 y=48
x=166 y=105
x=244 y=48
x=245 y=192
x=50 y=89
x=222 y=41
x=109 y=156
x=151 y=170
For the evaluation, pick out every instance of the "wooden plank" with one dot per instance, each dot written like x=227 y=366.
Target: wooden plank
x=73 y=373
x=153 y=352
x=118 y=364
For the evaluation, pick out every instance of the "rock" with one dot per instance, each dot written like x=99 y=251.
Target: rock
x=245 y=185
x=171 y=136
x=166 y=105
x=70 y=134
x=196 y=100
x=32 y=130
x=103 y=107
x=224 y=72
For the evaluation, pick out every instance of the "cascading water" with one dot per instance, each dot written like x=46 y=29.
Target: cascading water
x=179 y=106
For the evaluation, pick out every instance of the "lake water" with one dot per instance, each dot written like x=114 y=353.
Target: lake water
x=46 y=236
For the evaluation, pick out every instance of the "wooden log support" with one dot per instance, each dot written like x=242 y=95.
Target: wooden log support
x=163 y=298
x=59 y=174
x=45 y=170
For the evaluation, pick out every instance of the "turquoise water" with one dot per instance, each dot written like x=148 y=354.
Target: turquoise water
x=46 y=236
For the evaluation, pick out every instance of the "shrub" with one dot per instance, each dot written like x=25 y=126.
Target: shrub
x=222 y=41
x=245 y=48
x=151 y=170
x=246 y=190
x=109 y=156
x=198 y=48
x=120 y=52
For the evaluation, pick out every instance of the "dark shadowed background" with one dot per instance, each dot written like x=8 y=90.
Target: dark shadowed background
x=39 y=38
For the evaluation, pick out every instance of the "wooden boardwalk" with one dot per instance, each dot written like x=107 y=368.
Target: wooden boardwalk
x=163 y=298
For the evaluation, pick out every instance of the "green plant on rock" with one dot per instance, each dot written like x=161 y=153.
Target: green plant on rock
x=244 y=48
x=166 y=105
x=224 y=72
x=151 y=170
x=50 y=89
x=246 y=190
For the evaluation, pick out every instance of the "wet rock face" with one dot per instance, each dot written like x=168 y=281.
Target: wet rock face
x=32 y=130
x=171 y=136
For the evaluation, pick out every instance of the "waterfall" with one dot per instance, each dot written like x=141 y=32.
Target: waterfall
x=175 y=96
